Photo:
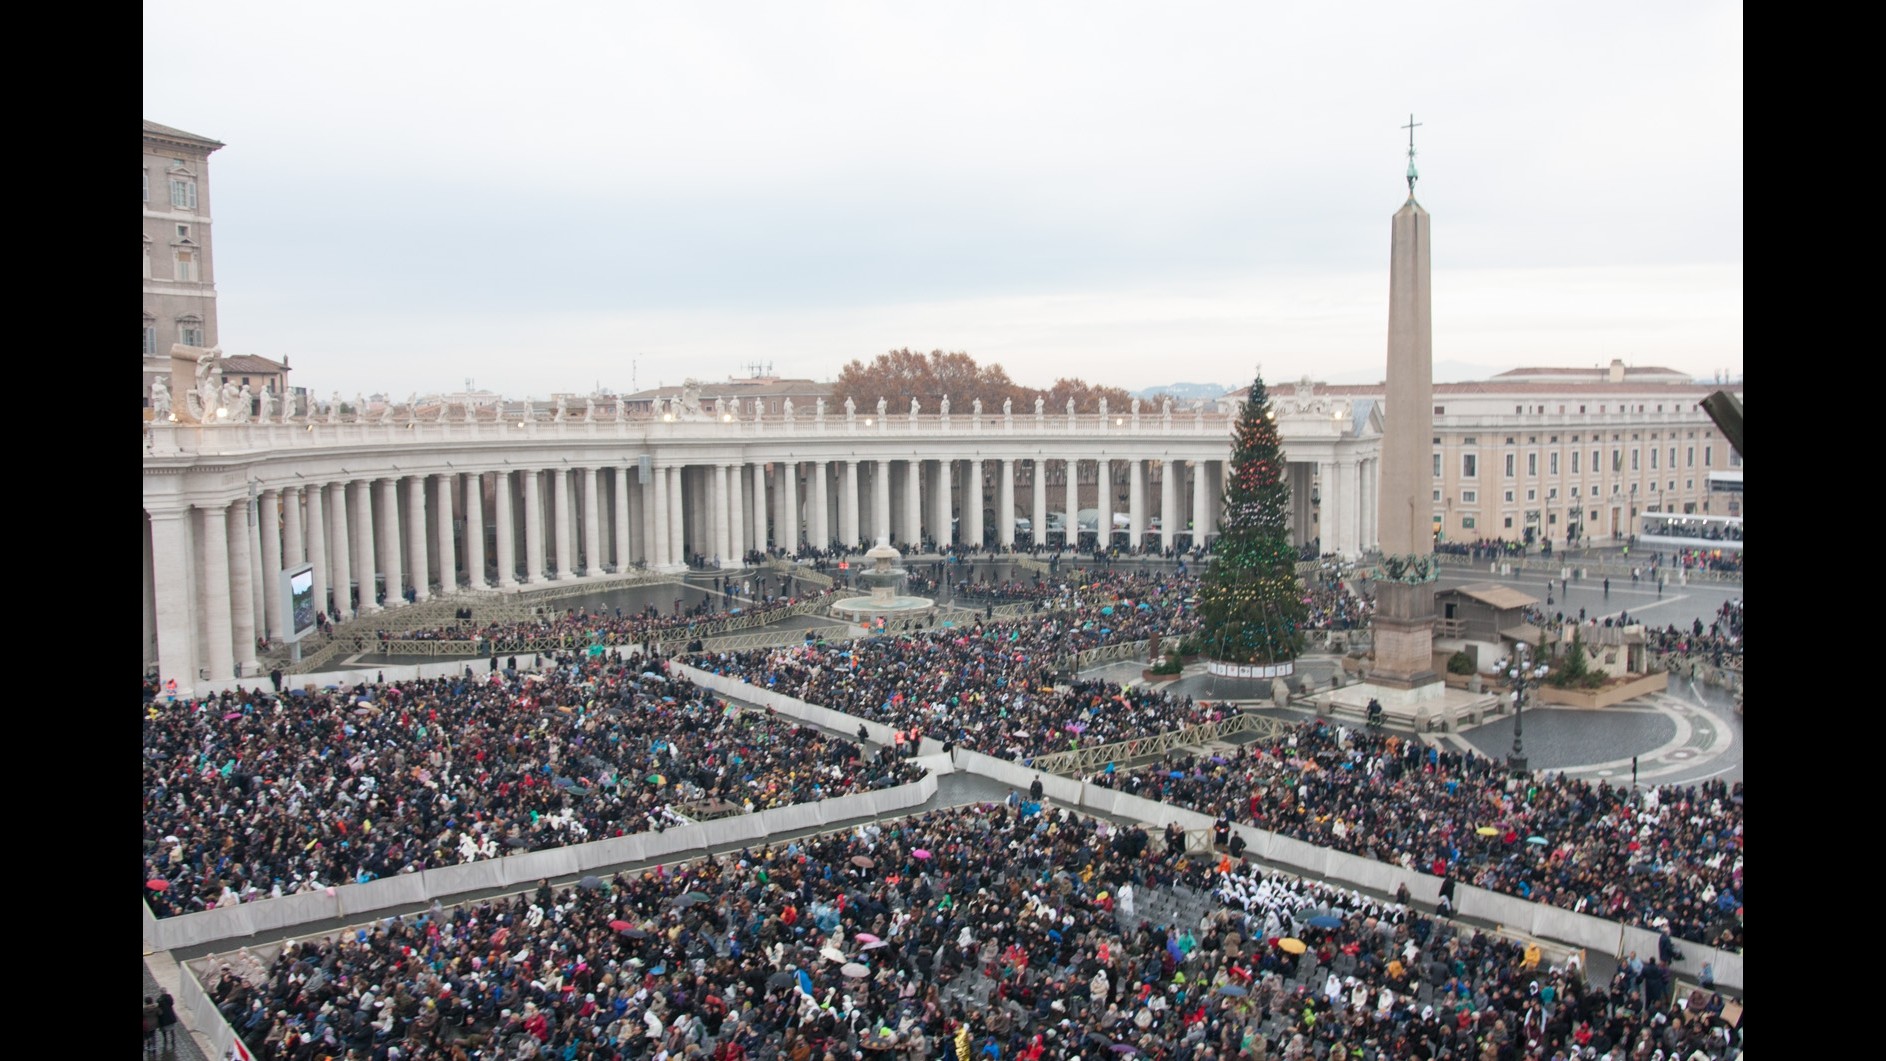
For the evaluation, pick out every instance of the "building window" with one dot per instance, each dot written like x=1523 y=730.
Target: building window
x=183 y=231
x=147 y=259
x=1595 y=465
x=1672 y=463
x=1574 y=462
x=1633 y=489
x=190 y=331
x=1469 y=466
x=1689 y=457
x=1708 y=451
x=1509 y=497
x=1532 y=495
x=1470 y=440
x=186 y=266
x=1552 y=493
x=1574 y=491
x=1552 y=519
x=1617 y=460
x=150 y=337
x=147 y=185
x=1532 y=465
x=1466 y=523
x=1509 y=465
x=1509 y=440
x=1553 y=460
x=1437 y=495
x=1508 y=523
x=1634 y=459
x=182 y=194
x=1519 y=410
x=1437 y=465
x=1653 y=458
x=1468 y=497
x=1440 y=410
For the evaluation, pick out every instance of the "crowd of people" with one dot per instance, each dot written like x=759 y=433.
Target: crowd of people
x=1661 y=858
x=976 y=932
x=1482 y=549
x=579 y=627
x=1720 y=643
x=249 y=794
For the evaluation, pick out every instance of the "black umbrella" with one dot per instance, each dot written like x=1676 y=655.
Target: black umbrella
x=635 y=933
x=590 y=883
x=780 y=979
x=689 y=899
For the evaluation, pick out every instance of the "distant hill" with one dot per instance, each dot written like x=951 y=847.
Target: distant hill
x=1185 y=390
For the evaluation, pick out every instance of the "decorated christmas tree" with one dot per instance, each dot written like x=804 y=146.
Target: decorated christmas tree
x=1252 y=601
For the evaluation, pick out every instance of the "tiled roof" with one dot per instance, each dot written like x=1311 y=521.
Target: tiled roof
x=254 y=364
x=155 y=129
x=1497 y=595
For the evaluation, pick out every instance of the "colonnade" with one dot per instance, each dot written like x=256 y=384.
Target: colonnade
x=383 y=526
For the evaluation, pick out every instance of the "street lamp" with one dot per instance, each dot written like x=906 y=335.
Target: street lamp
x=1524 y=674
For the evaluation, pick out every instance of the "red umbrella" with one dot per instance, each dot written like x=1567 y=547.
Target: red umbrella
x=157 y=884
x=920 y=853
x=865 y=937
x=620 y=924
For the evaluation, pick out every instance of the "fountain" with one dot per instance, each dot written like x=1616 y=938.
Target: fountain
x=885 y=604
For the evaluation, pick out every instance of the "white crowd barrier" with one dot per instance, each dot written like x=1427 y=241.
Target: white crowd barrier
x=276 y=917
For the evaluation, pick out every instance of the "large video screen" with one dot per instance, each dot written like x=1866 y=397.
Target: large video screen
x=301 y=606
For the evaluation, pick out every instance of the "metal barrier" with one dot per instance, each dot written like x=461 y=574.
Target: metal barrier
x=774 y=638
x=554 y=642
x=1114 y=653
x=1087 y=760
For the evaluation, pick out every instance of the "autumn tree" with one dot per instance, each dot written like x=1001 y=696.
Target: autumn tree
x=901 y=375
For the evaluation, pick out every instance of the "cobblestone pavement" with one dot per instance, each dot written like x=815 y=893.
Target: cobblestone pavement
x=184 y=1048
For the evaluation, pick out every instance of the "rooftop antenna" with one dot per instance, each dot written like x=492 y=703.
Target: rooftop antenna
x=1412 y=175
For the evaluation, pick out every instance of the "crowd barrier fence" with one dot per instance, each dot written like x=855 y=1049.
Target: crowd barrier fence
x=276 y=916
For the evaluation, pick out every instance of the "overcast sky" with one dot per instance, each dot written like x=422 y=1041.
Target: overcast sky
x=548 y=197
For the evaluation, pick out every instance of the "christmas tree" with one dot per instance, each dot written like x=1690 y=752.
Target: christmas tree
x=1252 y=601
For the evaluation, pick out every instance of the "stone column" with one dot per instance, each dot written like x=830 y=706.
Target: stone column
x=677 y=507
x=389 y=525
x=1201 y=503
x=1171 y=521
x=415 y=538
x=448 y=551
x=1071 y=503
x=821 y=506
x=170 y=593
x=789 y=533
x=241 y=588
x=365 y=571
x=317 y=546
x=972 y=486
x=1038 y=471
x=505 y=532
x=1103 y=514
x=762 y=540
x=658 y=519
x=475 y=529
x=561 y=485
x=722 y=540
x=252 y=553
x=533 y=528
x=592 y=522
x=1136 y=501
x=218 y=655
x=848 y=496
x=736 y=515
x=267 y=508
x=913 y=504
x=294 y=547
x=945 y=535
x=341 y=549
x=1005 y=505
x=622 y=536
x=881 y=500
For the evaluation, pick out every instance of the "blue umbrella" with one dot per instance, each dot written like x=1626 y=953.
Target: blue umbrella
x=1108 y=610
x=1537 y=840
x=1324 y=921
x=1176 y=773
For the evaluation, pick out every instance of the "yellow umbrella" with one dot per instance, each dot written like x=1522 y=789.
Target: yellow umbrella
x=1487 y=830
x=1292 y=945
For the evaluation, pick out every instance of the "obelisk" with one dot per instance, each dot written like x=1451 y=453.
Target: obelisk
x=1404 y=597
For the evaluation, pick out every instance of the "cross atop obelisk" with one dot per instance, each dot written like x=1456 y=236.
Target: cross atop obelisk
x=1412 y=175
